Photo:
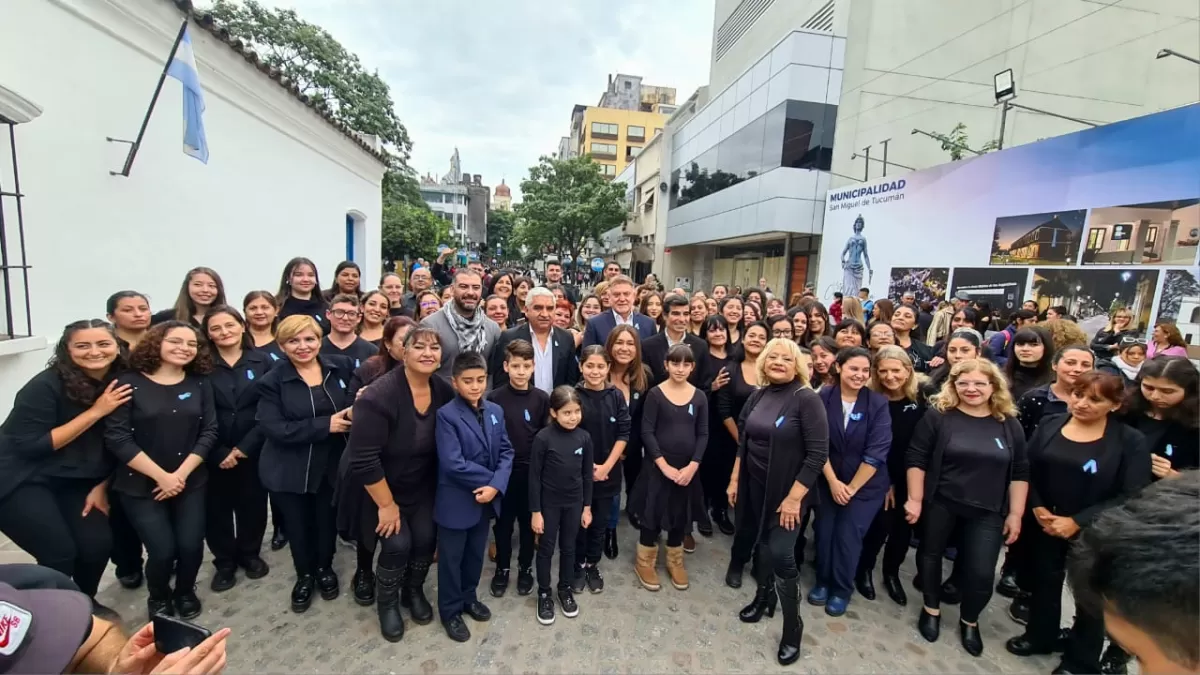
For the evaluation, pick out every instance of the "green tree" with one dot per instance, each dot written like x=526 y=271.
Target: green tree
x=565 y=203
x=956 y=142
x=411 y=230
x=319 y=66
x=500 y=226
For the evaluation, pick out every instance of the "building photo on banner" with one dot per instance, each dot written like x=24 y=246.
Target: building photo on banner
x=1098 y=220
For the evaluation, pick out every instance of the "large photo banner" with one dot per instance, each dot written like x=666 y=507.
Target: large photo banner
x=1094 y=221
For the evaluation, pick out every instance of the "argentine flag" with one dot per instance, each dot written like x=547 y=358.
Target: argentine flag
x=183 y=68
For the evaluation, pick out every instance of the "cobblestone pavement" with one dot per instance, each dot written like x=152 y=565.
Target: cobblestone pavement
x=623 y=630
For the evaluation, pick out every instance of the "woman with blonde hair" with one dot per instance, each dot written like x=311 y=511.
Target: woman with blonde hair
x=1064 y=333
x=783 y=427
x=893 y=376
x=853 y=309
x=967 y=471
x=1120 y=325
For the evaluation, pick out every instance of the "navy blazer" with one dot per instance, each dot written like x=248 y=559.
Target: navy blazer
x=867 y=438
x=599 y=326
x=469 y=457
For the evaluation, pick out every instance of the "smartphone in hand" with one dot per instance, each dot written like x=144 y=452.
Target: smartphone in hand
x=172 y=634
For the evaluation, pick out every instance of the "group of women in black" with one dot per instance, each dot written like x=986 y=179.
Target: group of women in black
x=170 y=429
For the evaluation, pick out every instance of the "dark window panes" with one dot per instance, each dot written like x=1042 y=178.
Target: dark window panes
x=808 y=135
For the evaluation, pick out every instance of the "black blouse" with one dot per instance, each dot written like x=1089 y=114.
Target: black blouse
x=677 y=433
x=967 y=460
x=606 y=419
x=561 y=468
x=168 y=422
x=733 y=395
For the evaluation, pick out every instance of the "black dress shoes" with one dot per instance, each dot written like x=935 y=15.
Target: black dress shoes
x=302 y=593
x=223 y=580
x=255 y=567
x=895 y=589
x=187 y=605
x=969 y=636
x=1007 y=585
x=929 y=626
x=456 y=628
x=478 y=611
x=864 y=581
x=733 y=575
x=278 y=539
x=327 y=583
x=131 y=580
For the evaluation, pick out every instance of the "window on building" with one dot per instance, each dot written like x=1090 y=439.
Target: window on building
x=667 y=109
x=635 y=133
x=604 y=150
x=603 y=130
x=628 y=85
x=632 y=151
x=608 y=169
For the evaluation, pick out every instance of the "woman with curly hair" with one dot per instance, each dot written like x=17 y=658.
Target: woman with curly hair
x=53 y=468
x=1064 y=333
x=967 y=471
x=163 y=434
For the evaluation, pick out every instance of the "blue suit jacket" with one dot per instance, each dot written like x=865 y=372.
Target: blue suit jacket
x=867 y=438
x=469 y=457
x=599 y=326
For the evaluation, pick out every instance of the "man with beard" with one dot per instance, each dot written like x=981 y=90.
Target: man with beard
x=554 y=275
x=462 y=324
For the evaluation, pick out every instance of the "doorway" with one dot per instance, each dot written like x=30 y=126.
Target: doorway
x=746 y=272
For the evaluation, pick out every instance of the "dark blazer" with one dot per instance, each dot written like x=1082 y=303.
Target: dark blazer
x=565 y=365
x=867 y=439
x=293 y=435
x=599 y=326
x=1036 y=404
x=1123 y=467
x=235 y=393
x=654 y=353
x=470 y=456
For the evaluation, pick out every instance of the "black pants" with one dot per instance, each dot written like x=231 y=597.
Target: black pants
x=589 y=542
x=1047 y=571
x=649 y=536
x=414 y=542
x=981 y=537
x=173 y=531
x=460 y=562
x=311 y=528
x=776 y=546
x=42 y=516
x=891 y=533
x=562 y=526
x=237 y=514
x=514 y=514
x=126 y=544
x=717 y=466
x=631 y=466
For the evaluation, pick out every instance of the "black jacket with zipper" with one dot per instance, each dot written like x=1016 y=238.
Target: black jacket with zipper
x=235 y=392
x=293 y=435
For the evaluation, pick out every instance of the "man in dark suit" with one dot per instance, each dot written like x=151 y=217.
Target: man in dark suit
x=654 y=348
x=553 y=348
x=620 y=295
x=474 y=463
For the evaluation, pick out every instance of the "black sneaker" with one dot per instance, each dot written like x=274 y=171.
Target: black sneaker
x=327 y=583
x=223 y=580
x=525 y=581
x=1019 y=610
x=595 y=582
x=256 y=567
x=545 y=608
x=566 y=600
x=578 y=583
x=499 y=583
x=187 y=605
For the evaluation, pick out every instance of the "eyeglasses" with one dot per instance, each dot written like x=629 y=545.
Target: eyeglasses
x=961 y=384
x=781 y=333
x=344 y=313
x=1132 y=341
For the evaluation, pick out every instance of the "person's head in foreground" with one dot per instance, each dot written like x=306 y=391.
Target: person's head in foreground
x=1140 y=564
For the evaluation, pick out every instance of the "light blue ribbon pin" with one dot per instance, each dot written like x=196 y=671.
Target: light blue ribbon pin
x=612 y=419
x=999 y=444
x=249 y=374
x=1170 y=450
x=856 y=416
x=494 y=422
x=779 y=422
x=185 y=396
x=579 y=451
x=1090 y=467
x=274 y=357
x=691 y=411
x=357 y=363
x=527 y=417
x=341 y=384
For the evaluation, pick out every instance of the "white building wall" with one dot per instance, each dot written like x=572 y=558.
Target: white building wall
x=779 y=18
x=929 y=64
x=279 y=183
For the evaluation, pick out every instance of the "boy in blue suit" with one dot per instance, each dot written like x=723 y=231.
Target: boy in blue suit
x=474 y=462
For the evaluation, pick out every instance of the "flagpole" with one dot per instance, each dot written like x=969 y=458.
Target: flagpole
x=137 y=143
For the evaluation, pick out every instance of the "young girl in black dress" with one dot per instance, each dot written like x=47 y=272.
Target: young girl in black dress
x=561 y=466
x=606 y=419
x=674 y=437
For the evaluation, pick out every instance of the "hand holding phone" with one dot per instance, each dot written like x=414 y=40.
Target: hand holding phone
x=172 y=634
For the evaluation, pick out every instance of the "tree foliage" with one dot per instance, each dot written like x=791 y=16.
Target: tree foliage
x=412 y=230
x=500 y=226
x=956 y=142
x=565 y=203
x=320 y=67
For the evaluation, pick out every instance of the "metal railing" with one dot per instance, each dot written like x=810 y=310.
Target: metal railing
x=13 y=262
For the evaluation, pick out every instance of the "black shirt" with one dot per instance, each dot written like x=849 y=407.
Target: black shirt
x=904 y=414
x=360 y=350
x=168 y=422
x=606 y=419
x=976 y=458
x=1170 y=439
x=733 y=395
x=323 y=406
x=677 y=433
x=1061 y=474
x=560 y=468
x=760 y=423
x=526 y=412
x=315 y=307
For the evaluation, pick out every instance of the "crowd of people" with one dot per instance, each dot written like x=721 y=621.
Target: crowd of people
x=417 y=424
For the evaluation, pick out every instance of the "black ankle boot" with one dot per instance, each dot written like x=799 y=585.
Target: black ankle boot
x=720 y=518
x=611 y=548
x=278 y=539
x=363 y=585
x=970 y=638
x=793 y=627
x=762 y=604
x=895 y=589
x=929 y=626
x=864 y=581
x=412 y=595
x=387 y=602
x=733 y=575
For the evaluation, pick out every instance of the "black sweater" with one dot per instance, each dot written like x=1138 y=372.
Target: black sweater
x=26 y=448
x=1168 y=438
x=168 y=423
x=905 y=416
x=235 y=395
x=968 y=450
x=606 y=419
x=677 y=433
x=1036 y=404
x=1082 y=479
x=359 y=351
x=526 y=412
x=798 y=446
x=383 y=438
x=560 y=468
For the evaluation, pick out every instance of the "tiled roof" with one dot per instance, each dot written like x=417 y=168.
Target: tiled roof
x=205 y=20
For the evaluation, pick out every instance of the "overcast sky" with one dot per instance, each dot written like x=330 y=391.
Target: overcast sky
x=498 y=79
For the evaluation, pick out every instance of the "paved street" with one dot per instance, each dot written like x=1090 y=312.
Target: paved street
x=624 y=630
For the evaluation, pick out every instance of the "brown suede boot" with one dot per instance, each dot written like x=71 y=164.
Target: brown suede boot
x=675 y=569
x=647 y=558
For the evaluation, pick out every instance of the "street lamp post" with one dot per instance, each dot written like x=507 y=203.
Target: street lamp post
x=1165 y=52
